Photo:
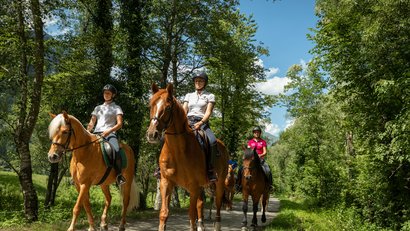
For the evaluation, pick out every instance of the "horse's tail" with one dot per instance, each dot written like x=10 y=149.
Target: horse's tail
x=134 y=196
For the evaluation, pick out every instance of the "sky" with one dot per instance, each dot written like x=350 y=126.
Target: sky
x=283 y=26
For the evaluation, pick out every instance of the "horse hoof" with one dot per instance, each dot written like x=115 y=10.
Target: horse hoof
x=244 y=228
x=121 y=228
x=104 y=227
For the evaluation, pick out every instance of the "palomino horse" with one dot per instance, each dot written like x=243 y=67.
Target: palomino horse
x=254 y=184
x=88 y=168
x=182 y=161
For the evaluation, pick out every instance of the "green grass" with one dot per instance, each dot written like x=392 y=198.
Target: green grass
x=59 y=216
x=297 y=215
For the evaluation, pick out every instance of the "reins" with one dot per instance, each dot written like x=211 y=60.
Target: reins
x=67 y=143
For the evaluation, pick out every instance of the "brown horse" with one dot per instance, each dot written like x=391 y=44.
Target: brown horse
x=254 y=184
x=228 y=194
x=88 y=168
x=182 y=161
x=230 y=187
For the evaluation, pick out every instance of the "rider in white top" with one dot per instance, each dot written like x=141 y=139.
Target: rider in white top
x=199 y=106
x=109 y=119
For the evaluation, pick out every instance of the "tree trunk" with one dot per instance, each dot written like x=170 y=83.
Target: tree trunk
x=26 y=181
x=133 y=22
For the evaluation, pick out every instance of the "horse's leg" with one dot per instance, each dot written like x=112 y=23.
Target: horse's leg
x=126 y=195
x=219 y=194
x=244 y=209
x=82 y=200
x=200 y=208
x=255 y=204
x=106 y=190
x=265 y=199
x=166 y=188
x=196 y=205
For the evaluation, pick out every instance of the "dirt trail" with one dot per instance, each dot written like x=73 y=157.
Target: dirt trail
x=231 y=220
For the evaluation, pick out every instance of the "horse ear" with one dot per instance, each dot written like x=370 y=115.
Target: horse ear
x=154 y=88
x=52 y=115
x=170 y=90
x=65 y=115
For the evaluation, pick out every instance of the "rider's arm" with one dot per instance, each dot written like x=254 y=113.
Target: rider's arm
x=185 y=106
x=91 y=124
x=208 y=112
x=262 y=155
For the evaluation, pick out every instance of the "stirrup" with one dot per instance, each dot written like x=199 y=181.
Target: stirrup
x=120 y=180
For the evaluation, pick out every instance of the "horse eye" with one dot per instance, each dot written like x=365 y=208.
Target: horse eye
x=65 y=132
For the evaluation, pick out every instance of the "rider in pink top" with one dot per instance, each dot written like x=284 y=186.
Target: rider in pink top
x=258 y=143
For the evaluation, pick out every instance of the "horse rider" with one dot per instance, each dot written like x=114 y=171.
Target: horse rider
x=109 y=118
x=199 y=106
x=256 y=142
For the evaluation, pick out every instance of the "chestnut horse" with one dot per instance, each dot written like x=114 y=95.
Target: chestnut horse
x=228 y=194
x=88 y=168
x=254 y=184
x=182 y=161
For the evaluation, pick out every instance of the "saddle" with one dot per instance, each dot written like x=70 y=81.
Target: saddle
x=203 y=141
x=108 y=154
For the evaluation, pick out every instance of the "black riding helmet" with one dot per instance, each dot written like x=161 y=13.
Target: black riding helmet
x=111 y=88
x=257 y=128
x=202 y=75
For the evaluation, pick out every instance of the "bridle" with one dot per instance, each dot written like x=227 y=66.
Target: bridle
x=67 y=142
x=168 y=110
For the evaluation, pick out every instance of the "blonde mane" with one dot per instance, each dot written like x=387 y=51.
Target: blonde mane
x=55 y=125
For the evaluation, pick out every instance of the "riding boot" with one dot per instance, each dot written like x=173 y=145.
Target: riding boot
x=118 y=164
x=211 y=171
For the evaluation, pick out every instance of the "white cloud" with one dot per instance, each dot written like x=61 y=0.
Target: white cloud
x=273 y=86
x=272 y=129
x=289 y=123
x=271 y=72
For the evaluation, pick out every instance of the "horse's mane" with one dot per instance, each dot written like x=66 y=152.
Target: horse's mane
x=59 y=121
x=55 y=125
x=249 y=154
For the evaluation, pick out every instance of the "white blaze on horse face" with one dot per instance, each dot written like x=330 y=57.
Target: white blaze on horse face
x=154 y=121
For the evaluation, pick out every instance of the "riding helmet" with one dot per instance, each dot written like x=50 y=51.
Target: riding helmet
x=202 y=75
x=257 y=128
x=111 y=88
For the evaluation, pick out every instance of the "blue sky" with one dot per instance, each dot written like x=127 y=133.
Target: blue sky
x=282 y=28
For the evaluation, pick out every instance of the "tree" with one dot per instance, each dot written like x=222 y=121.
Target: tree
x=27 y=97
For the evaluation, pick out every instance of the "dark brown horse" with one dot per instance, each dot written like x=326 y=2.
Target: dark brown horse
x=182 y=161
x=87 y=168
x=254 y=184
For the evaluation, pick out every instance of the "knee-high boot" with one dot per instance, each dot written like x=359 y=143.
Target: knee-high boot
x=117 y=166
x=211 y=163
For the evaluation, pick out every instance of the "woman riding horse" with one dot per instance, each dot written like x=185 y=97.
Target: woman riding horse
x=88 y=167
x=182 y=161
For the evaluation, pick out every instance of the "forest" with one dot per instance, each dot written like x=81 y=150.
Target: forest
x=349 y=145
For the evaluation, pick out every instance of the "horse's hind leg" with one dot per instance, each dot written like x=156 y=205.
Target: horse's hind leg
x=107 y=203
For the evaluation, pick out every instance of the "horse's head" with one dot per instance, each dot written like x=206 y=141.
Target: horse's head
x=161 y=103
x=60 y=134
x=250 y=162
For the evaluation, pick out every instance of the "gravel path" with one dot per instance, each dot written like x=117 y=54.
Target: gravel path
x=231 y=220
